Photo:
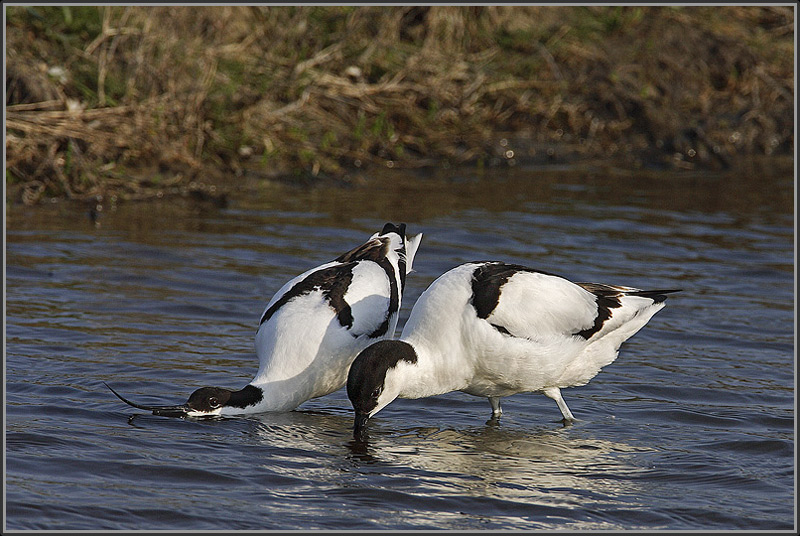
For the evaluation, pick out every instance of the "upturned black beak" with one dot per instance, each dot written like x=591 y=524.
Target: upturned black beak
x=164 y=411
x=360 y=426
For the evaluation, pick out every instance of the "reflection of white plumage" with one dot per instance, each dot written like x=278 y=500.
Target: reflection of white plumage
x=313 y=328
x=494 y=329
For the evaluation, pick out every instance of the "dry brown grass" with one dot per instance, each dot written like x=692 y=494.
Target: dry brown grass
x=152 y=98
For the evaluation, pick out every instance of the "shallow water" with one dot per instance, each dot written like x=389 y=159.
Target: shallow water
x=691 y=428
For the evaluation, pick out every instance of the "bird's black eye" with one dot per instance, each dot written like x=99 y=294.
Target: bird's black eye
x=213 y=402
x=377 y=392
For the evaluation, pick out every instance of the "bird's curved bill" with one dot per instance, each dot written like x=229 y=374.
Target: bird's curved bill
x=360 y=426
x=165 y=411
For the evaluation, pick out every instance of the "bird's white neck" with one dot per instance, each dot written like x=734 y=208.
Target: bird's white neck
x=284 y=390
x=434 y=373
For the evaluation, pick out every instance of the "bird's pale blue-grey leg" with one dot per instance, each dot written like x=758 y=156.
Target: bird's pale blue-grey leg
x=496 y=409
x=555 y=394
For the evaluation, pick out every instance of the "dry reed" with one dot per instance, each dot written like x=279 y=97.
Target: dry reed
x=145 y=101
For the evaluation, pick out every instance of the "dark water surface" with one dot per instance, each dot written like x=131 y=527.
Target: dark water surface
x=691 y=428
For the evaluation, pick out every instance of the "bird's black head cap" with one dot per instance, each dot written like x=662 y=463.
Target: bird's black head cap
x=365 y=381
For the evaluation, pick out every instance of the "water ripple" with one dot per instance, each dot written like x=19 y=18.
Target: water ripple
x=692 y=428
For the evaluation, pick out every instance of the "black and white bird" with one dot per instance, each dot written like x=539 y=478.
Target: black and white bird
x=314 y=327
x=494 y=329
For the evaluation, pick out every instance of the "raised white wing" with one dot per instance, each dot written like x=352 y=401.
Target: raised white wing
x=540 y=306
x=537 y=305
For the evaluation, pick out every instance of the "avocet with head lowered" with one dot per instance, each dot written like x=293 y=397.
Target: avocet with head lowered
x=494 y=329
x=314 y=327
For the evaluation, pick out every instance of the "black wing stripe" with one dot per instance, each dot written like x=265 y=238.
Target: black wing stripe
x=501 y=329
x=372 y=250
x=333 y=281
x=394 y=299
x=487 y=279
x=604 y=306
x=608 y=297
x=657 y=296
x=487 y=282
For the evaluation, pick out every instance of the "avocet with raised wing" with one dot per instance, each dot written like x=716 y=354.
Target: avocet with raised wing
x=314 y=327
x=492 y=329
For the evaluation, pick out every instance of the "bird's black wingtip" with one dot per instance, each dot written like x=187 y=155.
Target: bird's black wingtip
x=658 y=296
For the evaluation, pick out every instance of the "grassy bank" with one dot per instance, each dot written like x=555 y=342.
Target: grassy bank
x=135 y=102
